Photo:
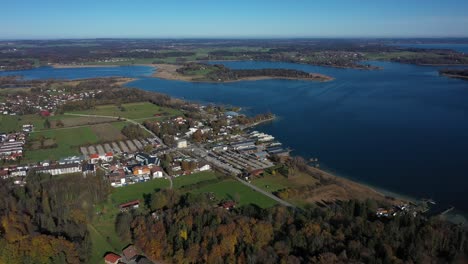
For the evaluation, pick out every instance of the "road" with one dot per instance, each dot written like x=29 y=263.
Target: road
x=276 y=198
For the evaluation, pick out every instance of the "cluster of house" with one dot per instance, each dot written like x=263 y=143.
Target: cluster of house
x=395 y=210
x=44 y=103
x=130 y=255
x=184 y=165
x=140 y=167
x=64 y=166
x=12 y=145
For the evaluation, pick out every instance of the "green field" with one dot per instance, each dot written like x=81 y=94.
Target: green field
x=68 y=141
x=14 y=123
x=131 y=110
x=234 y=190
x=136 y=191
x=187 y=180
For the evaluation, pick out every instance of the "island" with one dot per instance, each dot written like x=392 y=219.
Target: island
x=202 y=72
x=455 y=73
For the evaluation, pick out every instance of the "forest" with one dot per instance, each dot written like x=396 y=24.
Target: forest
x=46 y=220
x=186 y=228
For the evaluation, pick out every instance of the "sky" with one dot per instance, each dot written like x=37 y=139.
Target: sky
x=29 y=19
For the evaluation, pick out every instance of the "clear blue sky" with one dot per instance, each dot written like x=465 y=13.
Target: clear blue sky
x=232 y=18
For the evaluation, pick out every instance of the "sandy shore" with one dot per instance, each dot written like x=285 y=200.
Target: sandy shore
x=169 y=72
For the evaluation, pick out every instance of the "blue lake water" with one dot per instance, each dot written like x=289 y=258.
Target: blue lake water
x=403 y=128
x=457 y=47
x=81 y=73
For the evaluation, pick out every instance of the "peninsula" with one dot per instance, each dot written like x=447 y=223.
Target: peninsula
x=455 y=73
x=202 y=72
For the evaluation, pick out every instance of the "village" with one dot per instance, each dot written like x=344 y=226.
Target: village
x=43 y=103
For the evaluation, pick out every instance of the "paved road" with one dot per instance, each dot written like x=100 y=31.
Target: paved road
x=276 y=198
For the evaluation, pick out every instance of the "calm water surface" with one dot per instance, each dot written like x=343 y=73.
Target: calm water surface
x=81 y=73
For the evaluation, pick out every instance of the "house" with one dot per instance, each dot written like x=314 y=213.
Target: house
x=94 y=158
x=141 y=171
x=157 y=172
x=130 y=205
x=181 y=143
x=130 y=252
x=112 y=258
x=228 y=205
x=71 y=159
x=117 y=178
x=109 y=156
x=204 y=167
x=145 y=159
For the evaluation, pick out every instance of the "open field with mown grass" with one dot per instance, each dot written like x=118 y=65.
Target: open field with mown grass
x=233 y=190
x=130 y=111
x=10 y=123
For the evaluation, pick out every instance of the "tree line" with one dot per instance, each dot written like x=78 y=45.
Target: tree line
x=186 y=228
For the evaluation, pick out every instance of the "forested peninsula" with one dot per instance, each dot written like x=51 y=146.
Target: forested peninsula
x=201 y=72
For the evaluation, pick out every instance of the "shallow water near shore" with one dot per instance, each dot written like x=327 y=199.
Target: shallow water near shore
x=401 y=129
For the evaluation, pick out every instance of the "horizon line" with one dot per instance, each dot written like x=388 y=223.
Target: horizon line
x=234 y=38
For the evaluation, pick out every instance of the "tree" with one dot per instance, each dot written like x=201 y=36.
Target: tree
x=47 y=123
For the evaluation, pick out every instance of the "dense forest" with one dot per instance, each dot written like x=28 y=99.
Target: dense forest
x=188 y=229
x=220 y=72
x=46 y=221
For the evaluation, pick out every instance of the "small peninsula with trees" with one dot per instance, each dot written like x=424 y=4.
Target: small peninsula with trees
x=455 y=73
x=202 y=72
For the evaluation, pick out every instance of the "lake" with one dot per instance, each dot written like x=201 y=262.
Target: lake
x=403 y=128
x=81 y=73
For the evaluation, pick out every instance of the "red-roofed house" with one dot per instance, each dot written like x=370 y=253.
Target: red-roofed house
x=94 y=158
x=112 y=258
x=130 y=205
x=109 y=156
